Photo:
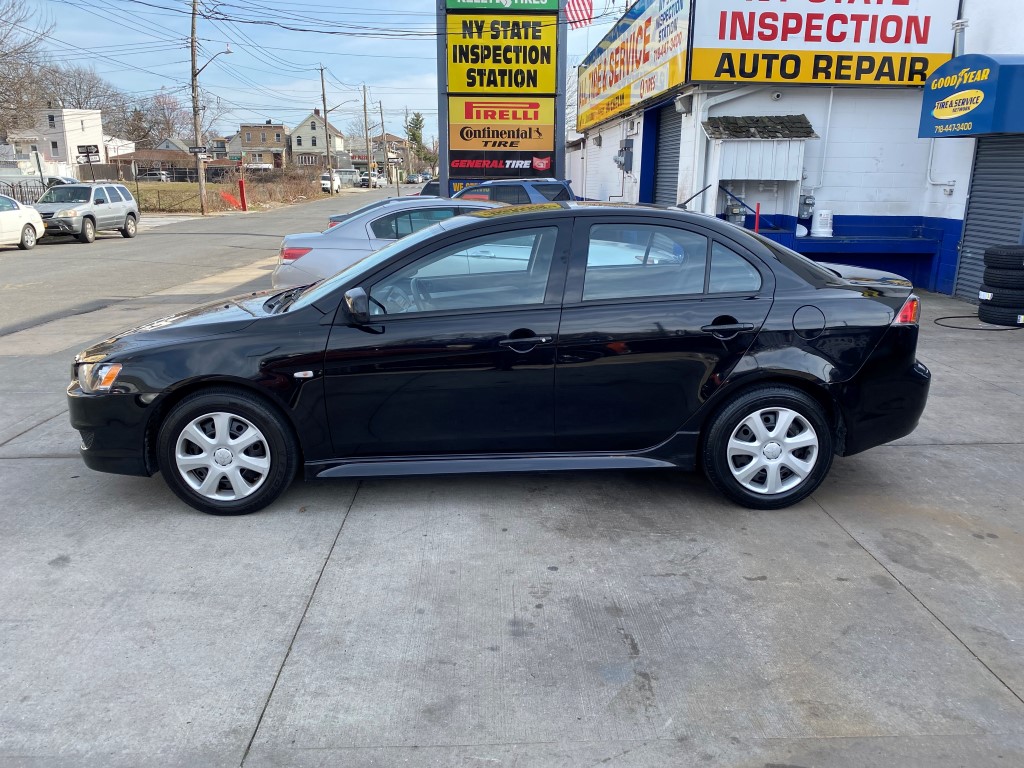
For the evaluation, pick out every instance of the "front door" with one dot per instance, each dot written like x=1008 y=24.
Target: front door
x=655 y=318
x=459 y=358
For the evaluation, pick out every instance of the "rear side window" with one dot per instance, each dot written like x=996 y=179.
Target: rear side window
x=636 y=260
x=113 y=196
x=475 y=193
x=554 y=192
x=398 y=225
x=513 y=194
x=125 y=193
x=731 y=273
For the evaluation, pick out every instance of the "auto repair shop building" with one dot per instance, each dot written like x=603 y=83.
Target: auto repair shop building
x=810 y=111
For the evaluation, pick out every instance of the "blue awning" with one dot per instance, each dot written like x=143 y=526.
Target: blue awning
x=974 y=95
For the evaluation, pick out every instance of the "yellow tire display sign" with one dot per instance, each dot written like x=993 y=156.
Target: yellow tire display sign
x=504 y=122
x=884 y=42
x=511 y=53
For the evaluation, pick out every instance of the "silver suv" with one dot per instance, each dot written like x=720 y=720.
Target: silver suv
x=83 y=209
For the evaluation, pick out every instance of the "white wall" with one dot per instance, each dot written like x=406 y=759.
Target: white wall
x=71 y=128
x=995 y=26
x=602 y=178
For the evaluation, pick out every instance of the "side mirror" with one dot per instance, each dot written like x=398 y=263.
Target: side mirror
x=100 y=201
x=357 y=303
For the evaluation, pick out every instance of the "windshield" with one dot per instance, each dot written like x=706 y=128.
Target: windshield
x=66 y=194
x=319 y=290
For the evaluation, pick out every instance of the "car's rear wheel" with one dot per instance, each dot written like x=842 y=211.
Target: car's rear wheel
x=28 y=238
x=768 y=448
x=130 y=228
x=226 y=452
x=88 y=233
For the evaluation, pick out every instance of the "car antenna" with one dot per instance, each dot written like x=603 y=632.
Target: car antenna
x=687 y=200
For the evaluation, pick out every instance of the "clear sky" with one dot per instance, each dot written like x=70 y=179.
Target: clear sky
x=273 y=73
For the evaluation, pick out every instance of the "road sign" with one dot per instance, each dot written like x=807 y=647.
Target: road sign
x=87 y=159
x=88 y=149
x=234 y=157
x=197 y=150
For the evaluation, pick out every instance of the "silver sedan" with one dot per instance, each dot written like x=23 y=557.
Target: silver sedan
x=310 y=256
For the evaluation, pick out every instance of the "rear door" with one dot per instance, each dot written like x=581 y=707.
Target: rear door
x=656 y=315
x=118 y=209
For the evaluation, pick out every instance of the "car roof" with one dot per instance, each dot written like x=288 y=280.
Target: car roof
x=500 y=182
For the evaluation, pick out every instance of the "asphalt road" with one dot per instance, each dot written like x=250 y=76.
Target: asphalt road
x=580 y=619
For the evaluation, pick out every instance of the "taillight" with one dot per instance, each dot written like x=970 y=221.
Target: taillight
x=911 y=312
x=333 y=224
x=291 y=254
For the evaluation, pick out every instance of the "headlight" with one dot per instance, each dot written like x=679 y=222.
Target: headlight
x=70 y=213
x=97 y=377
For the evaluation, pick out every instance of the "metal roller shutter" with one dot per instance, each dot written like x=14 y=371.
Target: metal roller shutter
x=666 y=170
x=995 y=212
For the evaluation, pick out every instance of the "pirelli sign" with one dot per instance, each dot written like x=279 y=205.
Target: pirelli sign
x=501 y=74
x=512 y=124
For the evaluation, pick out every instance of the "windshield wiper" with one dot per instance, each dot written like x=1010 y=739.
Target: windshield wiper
x=280 y=301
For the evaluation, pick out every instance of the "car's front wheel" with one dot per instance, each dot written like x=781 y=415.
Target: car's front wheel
x=130 y=228
x=28 y=238
x=88 y=233
x=768 y=447
x=226 y=452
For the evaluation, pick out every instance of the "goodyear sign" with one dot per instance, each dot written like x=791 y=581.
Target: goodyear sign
x=642 y=56
x=492 y=52
x=511 y=122
x=829 y=42
x=974 y=95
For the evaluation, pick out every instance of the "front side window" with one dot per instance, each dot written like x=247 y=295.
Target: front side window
x=506 y=269
x=731 y=273
x=473 y=193
x=396 y=225
x=636 y=260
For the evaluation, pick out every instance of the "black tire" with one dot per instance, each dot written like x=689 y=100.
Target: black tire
x=220 y=414
x=763 y=402
x=28 y=238
x=131 y=227
x=1001 y=315
x=1001 y=297
x=1005 y=257
x=88 y=233
x=1004 y=278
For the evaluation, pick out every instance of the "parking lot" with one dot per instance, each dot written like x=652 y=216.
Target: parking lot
x=580 y=619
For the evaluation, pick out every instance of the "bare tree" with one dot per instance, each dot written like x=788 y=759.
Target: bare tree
x=20 y=34
x=167 y=116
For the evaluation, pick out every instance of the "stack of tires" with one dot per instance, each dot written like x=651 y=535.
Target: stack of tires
x=1002 y=292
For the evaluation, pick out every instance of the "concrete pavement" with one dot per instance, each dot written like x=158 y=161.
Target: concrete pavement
x=579 y=619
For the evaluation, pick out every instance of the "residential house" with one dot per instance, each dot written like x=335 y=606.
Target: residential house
x=309 y=142
x=114 y=147
x=217 y=147
x=58 y=133
x=173 y=144
x=264 y=145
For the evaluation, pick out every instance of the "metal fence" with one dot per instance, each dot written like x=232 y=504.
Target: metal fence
x=26 y=191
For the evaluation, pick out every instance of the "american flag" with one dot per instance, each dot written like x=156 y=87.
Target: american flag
x=579 y=13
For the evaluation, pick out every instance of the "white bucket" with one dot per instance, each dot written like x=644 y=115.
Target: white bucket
x=821 y=224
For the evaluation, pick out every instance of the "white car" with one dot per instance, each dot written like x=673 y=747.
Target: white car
x=325 y=182
x=20 y=225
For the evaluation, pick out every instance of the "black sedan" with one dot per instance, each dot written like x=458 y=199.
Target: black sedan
x=541 y=337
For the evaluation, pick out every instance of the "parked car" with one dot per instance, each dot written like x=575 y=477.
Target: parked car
x=83 y=210
x=412 y=178
x=571 y=336
x=430 y=189
x=20 y=225
x=326 y=180
x=519 y=191
x=337 y=218
x=310 y=256
x=372 y=180
x=52 y=181
x=154 y=176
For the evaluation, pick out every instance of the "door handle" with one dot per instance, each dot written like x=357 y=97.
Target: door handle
x=727 y=330
x=527 y=341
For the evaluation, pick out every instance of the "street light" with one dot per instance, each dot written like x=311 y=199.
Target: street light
x=197 y=131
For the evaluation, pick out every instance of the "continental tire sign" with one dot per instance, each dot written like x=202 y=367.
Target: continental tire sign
x=882 y=42
x=482 y=124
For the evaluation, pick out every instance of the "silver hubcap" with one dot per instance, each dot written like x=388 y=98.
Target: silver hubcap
x=772 y=451
x=29 y=237
x=222 y=456
x=130 y=224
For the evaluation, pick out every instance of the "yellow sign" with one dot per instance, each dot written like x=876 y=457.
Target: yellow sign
x=958 y=104
x=642 y=56
x=814 y=67
x=510 y=122
x=502 y=53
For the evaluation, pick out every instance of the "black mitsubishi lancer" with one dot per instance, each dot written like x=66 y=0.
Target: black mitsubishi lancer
x=539 y=337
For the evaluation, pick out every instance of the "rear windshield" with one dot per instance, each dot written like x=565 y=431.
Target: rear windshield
x=811 y=271
x=67 y=194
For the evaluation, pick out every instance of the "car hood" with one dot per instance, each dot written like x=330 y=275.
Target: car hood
x=215 y=318
x=54 y=207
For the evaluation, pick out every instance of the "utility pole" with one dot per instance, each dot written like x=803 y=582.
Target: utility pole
x=327 y=136
x=384 y=144
x=195 y=113
x=366 y=137
x=408 y=160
